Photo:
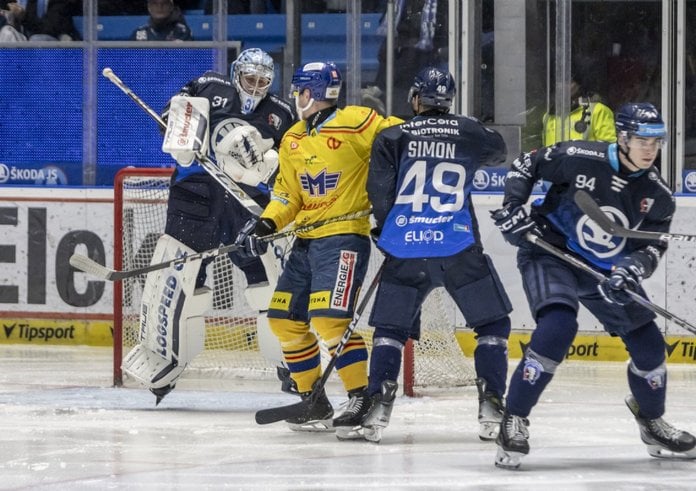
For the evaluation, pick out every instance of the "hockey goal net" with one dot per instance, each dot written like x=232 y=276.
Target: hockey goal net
x=231 y=348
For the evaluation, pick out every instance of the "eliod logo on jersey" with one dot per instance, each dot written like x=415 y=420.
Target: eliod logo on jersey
x=427 y=235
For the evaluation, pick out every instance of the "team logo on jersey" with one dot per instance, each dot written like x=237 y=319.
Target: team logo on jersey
x=224 y=127
x=274 y=120
x=320 y=184
x=333 y=143
x=481 y=179
x=340 y=297
x=591 y=237
x=646 y=204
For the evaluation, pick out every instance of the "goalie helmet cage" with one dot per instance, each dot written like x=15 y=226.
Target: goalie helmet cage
x=231 y=348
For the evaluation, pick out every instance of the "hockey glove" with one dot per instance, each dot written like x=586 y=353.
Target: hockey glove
x=514 y=223
x=249 y=237
x=626 y=274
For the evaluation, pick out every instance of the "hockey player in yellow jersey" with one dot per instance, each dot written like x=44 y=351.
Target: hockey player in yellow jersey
x=324 y=161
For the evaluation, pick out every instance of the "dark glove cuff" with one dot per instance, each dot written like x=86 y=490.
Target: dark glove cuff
x=648 y=260
x=265 y=226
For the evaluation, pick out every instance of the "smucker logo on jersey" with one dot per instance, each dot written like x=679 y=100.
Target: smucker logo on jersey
x=591 y=237
x=340 y=297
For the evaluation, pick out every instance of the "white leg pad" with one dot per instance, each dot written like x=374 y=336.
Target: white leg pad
x=172 y=326
x=269 y=345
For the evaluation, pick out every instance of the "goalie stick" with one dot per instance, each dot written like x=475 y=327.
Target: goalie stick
x=639 y=299
x=275 y=414
x=590 y=207
x=215 y=172
x=84 y=263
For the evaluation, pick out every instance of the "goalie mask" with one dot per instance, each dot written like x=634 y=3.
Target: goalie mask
x=252 y=76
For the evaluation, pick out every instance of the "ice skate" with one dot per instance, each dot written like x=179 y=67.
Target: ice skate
x=161 y=392
x=379 y=413
x=287 y=384
x=318 y=419
x=490 y=412
x=662 y=439
x=512 y=441
x=348 y=425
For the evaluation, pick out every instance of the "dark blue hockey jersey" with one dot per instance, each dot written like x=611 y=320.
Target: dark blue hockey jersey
x=639 y=200
x=272 y=117
x=419 y=182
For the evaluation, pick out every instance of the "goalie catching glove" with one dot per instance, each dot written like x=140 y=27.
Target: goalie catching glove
x=249 y=237
x=247 y=157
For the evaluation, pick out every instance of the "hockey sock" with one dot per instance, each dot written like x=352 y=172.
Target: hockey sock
x=647 y=371
x=490 y=355
x=385 y=358
x=556 y=329
x=351 y=365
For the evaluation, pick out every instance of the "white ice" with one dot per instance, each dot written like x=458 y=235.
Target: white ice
x=63 y=426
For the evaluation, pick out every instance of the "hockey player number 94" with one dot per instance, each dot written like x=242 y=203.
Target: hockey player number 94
x=444 y=171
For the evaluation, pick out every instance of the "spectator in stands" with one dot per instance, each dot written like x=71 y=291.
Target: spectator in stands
x=166 y=23
x=51 y=20
x=11 y=17
x=589 y=119
x=420 y=40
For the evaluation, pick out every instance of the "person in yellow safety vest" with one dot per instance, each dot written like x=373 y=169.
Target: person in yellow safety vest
x=589 y=119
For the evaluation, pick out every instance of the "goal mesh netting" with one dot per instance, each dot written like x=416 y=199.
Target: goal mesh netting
x=231 y=348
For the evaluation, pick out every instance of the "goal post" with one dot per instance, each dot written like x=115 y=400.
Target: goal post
x=231 y=348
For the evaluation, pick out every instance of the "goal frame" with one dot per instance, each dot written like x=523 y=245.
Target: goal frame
x=408 y=366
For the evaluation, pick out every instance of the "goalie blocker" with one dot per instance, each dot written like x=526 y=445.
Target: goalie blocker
x=172 y=326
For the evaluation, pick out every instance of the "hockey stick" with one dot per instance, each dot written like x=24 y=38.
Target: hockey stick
x=84 y=263
x=275 y=414
x=639 y=299
x=215 y=172
x=590 y=207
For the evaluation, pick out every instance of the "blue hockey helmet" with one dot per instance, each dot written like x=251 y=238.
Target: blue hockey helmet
x=640 y=119
x=322 y=79
x=435 y=87
x=252 y=75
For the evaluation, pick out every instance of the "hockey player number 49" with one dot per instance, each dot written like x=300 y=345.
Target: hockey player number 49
x=443 y=174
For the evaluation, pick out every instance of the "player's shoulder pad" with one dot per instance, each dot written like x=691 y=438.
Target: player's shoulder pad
x=282 y=103
x=592 y=150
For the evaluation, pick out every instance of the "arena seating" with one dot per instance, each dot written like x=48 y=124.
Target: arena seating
x=323 y=35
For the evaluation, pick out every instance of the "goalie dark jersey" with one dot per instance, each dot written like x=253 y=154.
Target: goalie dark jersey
x=639 y=200
x=433 y=160
x=272 y=117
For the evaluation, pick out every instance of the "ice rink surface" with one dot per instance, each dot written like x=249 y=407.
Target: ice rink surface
x=64 y=427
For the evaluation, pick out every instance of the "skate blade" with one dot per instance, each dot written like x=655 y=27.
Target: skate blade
x=488 y=430
x=373 y=433
x=508 y=460
x=663 y=453
x=344 y=433
x=318 y=426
